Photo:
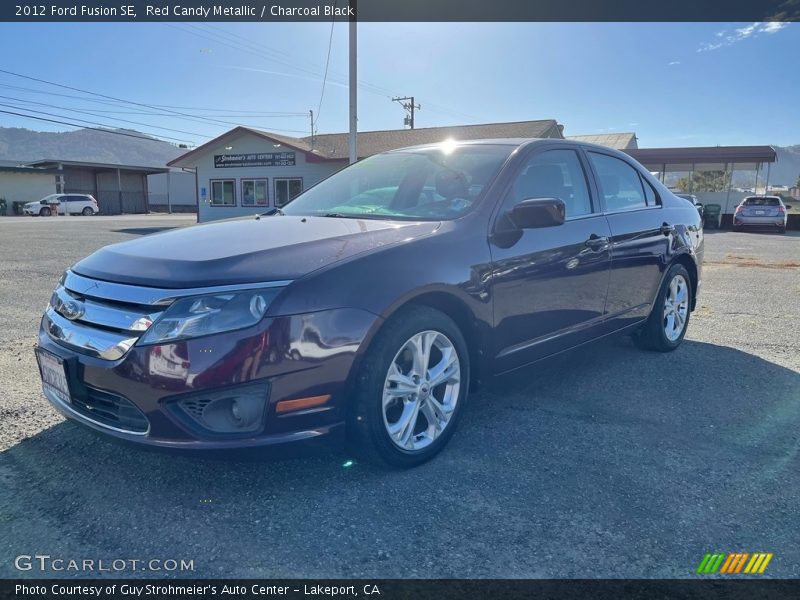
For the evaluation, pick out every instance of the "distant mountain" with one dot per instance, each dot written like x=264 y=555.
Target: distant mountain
x=17 y=144
x=787 y=169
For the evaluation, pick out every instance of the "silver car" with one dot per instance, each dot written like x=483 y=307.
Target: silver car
x=760 y=211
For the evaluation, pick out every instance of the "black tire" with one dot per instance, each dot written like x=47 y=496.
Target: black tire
x=652 y=335
x=367 y=433
x=87 y=211
x=45 y=212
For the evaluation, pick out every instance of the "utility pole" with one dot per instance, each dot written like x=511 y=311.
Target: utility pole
x=408 y=103
x=353 y=85
x=311 y=115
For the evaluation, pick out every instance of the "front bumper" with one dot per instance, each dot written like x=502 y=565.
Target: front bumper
x=291 y=357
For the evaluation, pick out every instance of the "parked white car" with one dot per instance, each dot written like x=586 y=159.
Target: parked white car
x=73 y=204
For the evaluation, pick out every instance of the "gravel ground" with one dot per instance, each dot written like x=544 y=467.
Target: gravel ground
x=604 y=462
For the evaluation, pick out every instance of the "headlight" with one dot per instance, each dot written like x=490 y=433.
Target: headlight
x=205 y=315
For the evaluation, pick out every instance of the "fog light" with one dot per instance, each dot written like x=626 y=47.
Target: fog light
x=238 y=409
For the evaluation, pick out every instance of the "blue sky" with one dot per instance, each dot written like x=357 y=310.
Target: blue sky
x=674 y=84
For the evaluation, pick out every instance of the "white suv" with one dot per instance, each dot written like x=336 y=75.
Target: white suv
x=73 y=204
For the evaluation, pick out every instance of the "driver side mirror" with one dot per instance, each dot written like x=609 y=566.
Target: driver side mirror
x=534 y=213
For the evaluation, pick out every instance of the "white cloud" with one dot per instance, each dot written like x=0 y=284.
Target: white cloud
x=674 y=62
x=774 y=26
x=728 y=38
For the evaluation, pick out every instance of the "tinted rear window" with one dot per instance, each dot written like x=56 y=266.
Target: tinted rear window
x=762 y=202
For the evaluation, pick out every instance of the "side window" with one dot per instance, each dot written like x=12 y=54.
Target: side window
x=619 y=182
x=553 y=174
x=649 y=193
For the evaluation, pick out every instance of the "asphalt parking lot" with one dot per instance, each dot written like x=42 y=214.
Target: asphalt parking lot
x=604 y=462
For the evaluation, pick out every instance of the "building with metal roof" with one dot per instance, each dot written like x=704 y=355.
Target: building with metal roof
x=22 y=183
x=246 y=171
x=618 y=141
x=117 y=188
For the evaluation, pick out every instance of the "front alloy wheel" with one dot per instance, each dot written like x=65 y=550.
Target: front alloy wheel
x=410 y=388
x=421 y=390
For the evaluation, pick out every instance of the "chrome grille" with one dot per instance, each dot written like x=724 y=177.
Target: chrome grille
x=105 y=319
x=88 y=316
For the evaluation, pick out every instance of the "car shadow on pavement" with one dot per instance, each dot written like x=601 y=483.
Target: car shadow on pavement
x=142 y=230
x=602 y=462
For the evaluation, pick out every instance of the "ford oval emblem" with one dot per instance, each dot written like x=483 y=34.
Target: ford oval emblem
x=72 y=310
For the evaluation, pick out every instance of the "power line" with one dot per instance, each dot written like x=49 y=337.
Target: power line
x=138 y=137
x=94 y=114
x=264 y=51
x=42 y=112
x=325 y=76
x=158 y=106
x=132 y=102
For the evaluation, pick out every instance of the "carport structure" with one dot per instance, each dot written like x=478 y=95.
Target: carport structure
x=118 y=189
x=721 y=175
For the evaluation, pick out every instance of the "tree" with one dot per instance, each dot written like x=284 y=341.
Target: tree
x=704 y=181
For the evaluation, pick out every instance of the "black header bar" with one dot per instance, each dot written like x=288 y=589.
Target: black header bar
x=400 y=10
x=395 y=589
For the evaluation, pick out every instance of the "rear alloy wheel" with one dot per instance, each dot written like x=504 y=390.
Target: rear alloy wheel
x=666 y=327
x=87 y=211
x=411 y=388
x=45 y=212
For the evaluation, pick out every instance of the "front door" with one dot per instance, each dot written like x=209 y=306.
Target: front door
x=549 y=284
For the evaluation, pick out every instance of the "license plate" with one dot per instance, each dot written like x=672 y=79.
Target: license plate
x=759 y=212
x=54 y=376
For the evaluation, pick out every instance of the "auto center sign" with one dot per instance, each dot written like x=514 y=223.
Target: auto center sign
x=267 y=159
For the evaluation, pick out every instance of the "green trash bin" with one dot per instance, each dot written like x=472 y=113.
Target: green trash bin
x=711 y=216
x=3 y=207
x=17 y=206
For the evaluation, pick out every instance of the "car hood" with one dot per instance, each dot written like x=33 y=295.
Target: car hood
x=244 y=250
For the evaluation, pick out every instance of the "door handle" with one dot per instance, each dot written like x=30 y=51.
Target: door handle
x=667 y=229
x=596 y=242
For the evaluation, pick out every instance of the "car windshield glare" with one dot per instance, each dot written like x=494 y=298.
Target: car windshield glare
x=437 y=183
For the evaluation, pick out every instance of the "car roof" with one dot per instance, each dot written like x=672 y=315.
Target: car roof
x=515 y=142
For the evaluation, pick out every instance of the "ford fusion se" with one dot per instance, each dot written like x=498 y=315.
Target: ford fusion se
x=372 y=302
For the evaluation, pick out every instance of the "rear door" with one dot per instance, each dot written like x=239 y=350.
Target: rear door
x=640 y=238
x=76 y=203
x=549 y=284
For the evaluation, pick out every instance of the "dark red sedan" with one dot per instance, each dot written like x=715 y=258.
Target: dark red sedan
x=373 y=301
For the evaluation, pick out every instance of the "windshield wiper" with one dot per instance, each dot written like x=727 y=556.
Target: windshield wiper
x=271 y=212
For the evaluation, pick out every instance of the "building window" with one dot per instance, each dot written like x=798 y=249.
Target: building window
x=287 y=189
x=254 y=192
x=223 y=192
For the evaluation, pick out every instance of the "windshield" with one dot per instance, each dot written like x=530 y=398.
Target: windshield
x=429 y=184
